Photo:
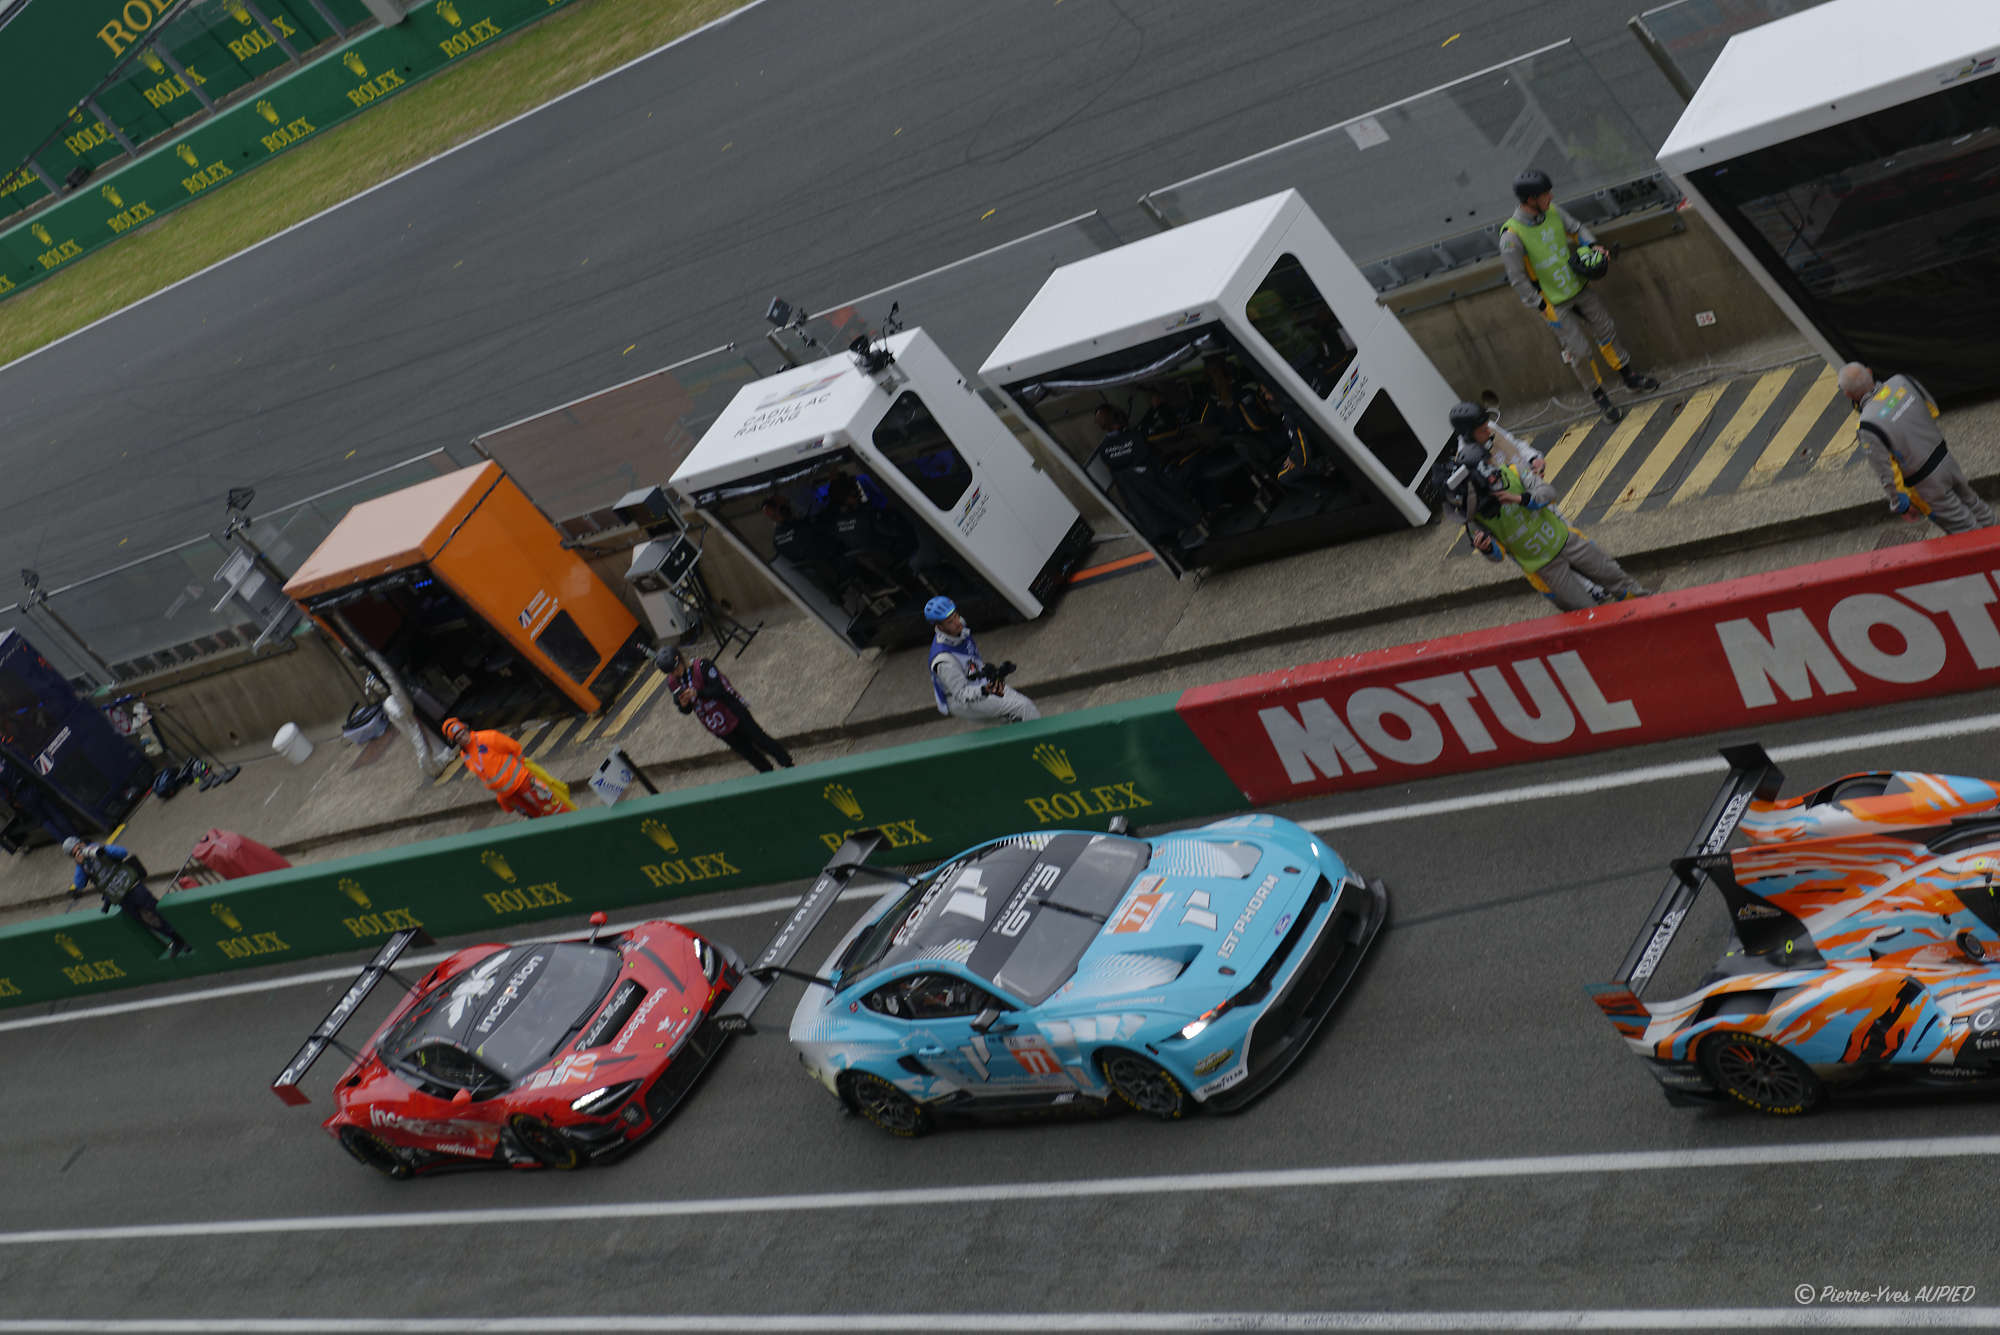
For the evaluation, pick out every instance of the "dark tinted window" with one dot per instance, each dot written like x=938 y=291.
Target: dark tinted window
x=1288 y=310
x=1382 y=428
x=928 y=996
x=564 y=641
x=910 y=438
x=511 y=1010
x=1882 y=229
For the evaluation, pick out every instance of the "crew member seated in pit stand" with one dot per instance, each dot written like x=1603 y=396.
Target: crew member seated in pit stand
x=964 y=685
x=806 y=546
x=1237 y=414
x=875 y=537
x=1148 y=490
x=517 y=783
x=121 y=883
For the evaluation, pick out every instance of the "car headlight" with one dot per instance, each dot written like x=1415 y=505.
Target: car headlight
x=709 y=958
x=1193 y=1028
x=603 y=1100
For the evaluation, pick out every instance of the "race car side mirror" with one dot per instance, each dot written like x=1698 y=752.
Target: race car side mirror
x=597 y=921
x=988 y=1020
x=1119 y=825
x=463 y=1096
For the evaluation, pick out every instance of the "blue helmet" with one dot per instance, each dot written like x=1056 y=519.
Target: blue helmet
x=939 y=609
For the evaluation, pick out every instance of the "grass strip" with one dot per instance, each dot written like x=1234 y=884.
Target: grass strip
x=522 y=71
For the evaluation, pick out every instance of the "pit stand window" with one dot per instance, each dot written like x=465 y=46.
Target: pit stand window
x=1291 y=315
x=568 y=647
x=910 y=438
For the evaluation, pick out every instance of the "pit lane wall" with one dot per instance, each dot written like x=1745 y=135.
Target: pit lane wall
x=1909 y=623
x=930 y=799
x=173 y=170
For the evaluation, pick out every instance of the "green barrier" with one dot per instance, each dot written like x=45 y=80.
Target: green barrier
x=930 y=799
x=340 y=83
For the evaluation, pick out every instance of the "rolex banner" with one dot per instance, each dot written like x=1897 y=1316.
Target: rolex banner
x=930 y=800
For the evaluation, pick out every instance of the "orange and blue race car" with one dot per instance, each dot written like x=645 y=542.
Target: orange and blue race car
x=1863 y=942
x=546 y=1054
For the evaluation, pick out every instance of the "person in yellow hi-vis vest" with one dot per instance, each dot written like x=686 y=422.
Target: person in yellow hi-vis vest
x=1550 y=259
x=517 y=783
x=1507 y=507
x=1905 y=446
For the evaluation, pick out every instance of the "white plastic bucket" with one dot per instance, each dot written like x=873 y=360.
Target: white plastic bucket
x=292 y=744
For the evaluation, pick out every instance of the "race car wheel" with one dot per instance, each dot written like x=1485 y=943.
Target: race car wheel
x=886 y=1106
x=1144 y=1085
x=1759 y=1073
x=373 y=1151
x=547 y=1146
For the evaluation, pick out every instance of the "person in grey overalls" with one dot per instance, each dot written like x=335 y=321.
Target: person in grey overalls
x=1899 y=430
x=1550 y=259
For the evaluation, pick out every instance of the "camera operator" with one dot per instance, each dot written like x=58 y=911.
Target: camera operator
x=967 y=686
x=120 y=879
x=1507 y=507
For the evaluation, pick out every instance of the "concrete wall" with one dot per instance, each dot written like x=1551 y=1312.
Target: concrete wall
x=1668 y=268
x=231 y=706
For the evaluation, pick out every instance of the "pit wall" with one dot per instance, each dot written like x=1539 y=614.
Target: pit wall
x=1909 y=623
x=930 y=799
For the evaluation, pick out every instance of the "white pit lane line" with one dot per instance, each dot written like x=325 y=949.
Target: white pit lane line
x=1901 y=1317
x=1279 y=1179
x=1709 y=764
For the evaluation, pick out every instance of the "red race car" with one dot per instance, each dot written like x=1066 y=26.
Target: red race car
x=538 y=1055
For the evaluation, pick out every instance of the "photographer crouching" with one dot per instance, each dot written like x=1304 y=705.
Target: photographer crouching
x=966 y=685
x=1506 y=506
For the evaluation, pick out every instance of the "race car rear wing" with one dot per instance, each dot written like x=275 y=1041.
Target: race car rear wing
x=326 y=1035
x=1752 y=777
x=774 y=961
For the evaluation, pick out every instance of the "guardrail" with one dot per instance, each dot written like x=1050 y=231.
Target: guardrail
x=930 y=799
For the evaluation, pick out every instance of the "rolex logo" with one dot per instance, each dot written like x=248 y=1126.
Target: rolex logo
x=352 y=889
x=449 y=13
x=354 y=65
x=497 y=864
x=843 y=800
x=185 y=152
x=42 y=234
x=267 y=111
x=660 y=835
x=226 y=916
x=1056 y=761
x=153 y=63
x=112 y=197
x=240 y=14
x=69 y=946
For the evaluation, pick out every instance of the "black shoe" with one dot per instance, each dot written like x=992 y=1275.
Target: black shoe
x=1606 y=406
x=1638 y=380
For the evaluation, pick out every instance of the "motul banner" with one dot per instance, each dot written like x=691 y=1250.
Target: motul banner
x=1865 y=630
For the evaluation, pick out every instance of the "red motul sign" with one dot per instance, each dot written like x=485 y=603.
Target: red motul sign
x=1864 y=630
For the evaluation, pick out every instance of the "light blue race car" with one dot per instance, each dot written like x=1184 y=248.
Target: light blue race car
x=1052 y=969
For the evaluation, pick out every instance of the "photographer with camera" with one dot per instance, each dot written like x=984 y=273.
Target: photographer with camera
x=1506 y=507
x=966 y=685
x=699 y=688
x=120 y=879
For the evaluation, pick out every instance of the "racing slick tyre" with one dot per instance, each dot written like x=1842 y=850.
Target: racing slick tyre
x=545 y=1145
x=887 y=1106
x=1144 y=1085
x=374 y=1152
x=1759 y=1073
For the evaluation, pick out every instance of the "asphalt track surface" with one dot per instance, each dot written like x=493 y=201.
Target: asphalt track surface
x=1423 y=1157
x=808 y=148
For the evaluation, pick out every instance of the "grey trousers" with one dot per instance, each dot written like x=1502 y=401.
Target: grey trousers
x=1584 y=575
x=1583 y=327
x=1955 y=506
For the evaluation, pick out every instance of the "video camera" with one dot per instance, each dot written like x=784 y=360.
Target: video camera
x=994 y=672
x=1475 y=480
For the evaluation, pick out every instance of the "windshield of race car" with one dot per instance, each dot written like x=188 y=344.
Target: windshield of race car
x=507 y=1014
x=1020 y=912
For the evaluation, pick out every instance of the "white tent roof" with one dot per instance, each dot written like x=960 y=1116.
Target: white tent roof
x=1144 y=286
x=785 y=418
x=1826 y=65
